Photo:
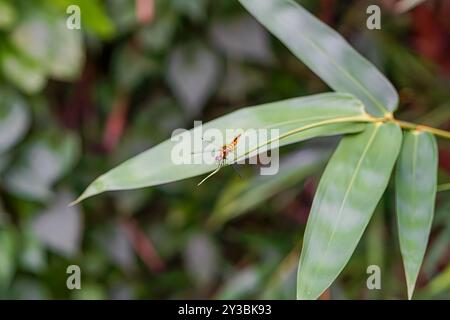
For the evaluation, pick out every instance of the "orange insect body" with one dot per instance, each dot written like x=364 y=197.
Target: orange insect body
x=222 y=156
x=227 y=148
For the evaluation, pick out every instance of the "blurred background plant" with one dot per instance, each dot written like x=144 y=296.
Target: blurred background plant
x=75 y=103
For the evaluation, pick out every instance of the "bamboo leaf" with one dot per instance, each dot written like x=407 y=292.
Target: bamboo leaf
x=349 y=190
x=340 y=111
x=416 y=179
x=326 y=53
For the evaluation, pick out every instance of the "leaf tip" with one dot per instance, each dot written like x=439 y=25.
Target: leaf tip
x=305 y=292
x=410 y=293
x=410 y=287
x=83 y=196
x=305 y=296
x=73 y=203
x=94 y=188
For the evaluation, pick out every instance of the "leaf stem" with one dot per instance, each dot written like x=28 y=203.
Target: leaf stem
x=413 y=126
x=358 y=118
x=443 y=187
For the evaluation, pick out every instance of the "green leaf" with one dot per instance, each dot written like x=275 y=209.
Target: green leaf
x=348 y=192
x=58 y=227
x=94 y=17
x=438 y=249
x=66 y=57
x=14 y=119
x=416 y=179
x=8 y=14
x=154 y=166
x=192 y=74
x=437 y=252
x=43 y=160
x=242 y=284
x=47 y=42
x=8 y=245
x=245 y=194
x=326 y=53
x=443 y=187
x=281 y=284
x=33 y=37
x=375 y=244
x=195 y=9
x=32 y=255
x=22 y=72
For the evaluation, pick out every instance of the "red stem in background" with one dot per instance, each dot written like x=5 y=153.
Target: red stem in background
x=115 y=123
x=430 y=37
x=145 y=11
x=79 y=105
x=444 y=159
x=143 y=246
x=327 y=11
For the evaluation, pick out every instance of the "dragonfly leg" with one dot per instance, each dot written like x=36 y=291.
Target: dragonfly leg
x=221 y=164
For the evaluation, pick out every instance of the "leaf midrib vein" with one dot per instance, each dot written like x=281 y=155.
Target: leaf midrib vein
x=410 y=282
x=313 y=118
x=354 y=80
x=347 y=193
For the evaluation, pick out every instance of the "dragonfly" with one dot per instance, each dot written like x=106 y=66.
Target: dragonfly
x=222 y=155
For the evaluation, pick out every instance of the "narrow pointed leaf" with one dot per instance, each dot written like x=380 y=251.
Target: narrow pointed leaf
x=348 y=192
x=326 y=53
x=155 y=166
x=416 y=178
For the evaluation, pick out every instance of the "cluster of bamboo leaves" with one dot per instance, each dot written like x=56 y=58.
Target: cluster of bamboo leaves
x=375 y=146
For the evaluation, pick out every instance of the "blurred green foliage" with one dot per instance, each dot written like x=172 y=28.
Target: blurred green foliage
x=75 y=103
